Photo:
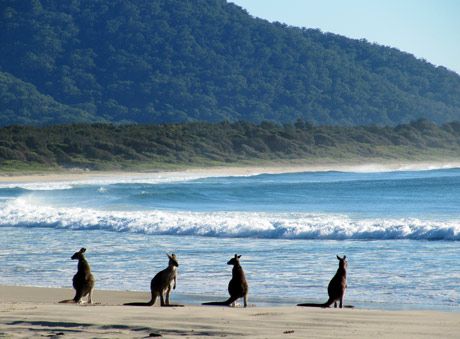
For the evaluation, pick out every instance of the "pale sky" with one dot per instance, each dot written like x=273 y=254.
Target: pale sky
x=429 y=29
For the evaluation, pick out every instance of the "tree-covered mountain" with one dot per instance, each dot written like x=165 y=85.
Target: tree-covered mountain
x=165 y=61
x=18 y=95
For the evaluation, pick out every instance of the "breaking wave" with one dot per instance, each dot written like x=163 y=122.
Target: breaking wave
x=173 y=177
x=102 y=181
x=22 y=212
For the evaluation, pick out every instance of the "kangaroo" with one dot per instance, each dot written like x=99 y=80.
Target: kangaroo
x=83 y=280
x=337 y=286
x=162 y=282
x=237 y=287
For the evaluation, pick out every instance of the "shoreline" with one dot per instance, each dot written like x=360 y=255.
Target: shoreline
x=34 y=311
x=220 y=171
x=44 y=295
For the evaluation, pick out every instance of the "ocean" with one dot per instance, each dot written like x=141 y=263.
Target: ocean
x=400 y=231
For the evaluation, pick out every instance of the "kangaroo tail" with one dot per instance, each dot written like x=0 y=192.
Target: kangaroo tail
x=216 y=303
x=138 y=304
x=221 y=303
x=69 y=301
x=326 y=304
x=312 y=305
x=150 y=303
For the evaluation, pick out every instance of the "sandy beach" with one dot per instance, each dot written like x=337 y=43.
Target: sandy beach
x=272 y=168
x=35 y=312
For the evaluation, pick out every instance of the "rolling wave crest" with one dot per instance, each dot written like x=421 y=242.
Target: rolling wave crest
x=24 y=213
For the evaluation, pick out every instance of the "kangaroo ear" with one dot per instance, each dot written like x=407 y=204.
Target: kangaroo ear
x=82 y=250
x=239 y=256
x=344 y=257
x=339 y=258
x=236 y=256
x=168 y=255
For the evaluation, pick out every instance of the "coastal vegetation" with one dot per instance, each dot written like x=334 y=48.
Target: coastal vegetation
x=168 y=146
x=169 y=61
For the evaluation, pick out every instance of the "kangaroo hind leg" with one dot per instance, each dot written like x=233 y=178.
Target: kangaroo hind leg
x=168 y=292
x=162 y=299
x=90 y=296
x=78 y=296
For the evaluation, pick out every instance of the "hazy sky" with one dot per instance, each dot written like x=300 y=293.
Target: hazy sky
x=429 y=29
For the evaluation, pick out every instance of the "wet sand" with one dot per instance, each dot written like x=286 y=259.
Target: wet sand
x=27 y=312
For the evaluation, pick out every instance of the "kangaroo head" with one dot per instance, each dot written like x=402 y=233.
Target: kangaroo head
x=172 y=260
x=79 y=255
x=235 y=260
x=342 y=262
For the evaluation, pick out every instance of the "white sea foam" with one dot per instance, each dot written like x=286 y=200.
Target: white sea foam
x=26 y=212
x=394 y=167
x=103 y=181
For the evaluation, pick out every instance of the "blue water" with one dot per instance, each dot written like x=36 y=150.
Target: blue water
x=399 y=230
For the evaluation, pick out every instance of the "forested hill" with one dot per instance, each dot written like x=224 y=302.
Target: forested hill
x=182 y=60
x=107 y=146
